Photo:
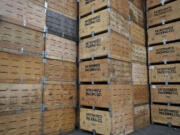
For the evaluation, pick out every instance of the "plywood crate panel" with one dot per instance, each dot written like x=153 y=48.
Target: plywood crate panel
x=165 y=94
x=153 y=3
x=59 y=95
x=23 y=12
x=105 y=70
x=139 y=73
x=164 y=33
x=141 y=116
x=166 y=114
x=58 y=121
x=138 y=53
x=167 y=12
x=105 y=95
x=64 y=7
x=19 y=40
x=140 y=94
x=110 y=44
x=120 y=123
x=138 y=3
x=165 y=73
x=86 y=6
x=60 y=71
x=60 y=48
x=102 y=21
x=137 y=34
x=20 y=69
x=164 y=53
x=20 y=124
x=38 y=2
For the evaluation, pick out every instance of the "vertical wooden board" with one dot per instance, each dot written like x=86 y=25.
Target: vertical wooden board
x=165 y=94
x=139 y=4
x=165 y=73
x=60 y=48
x=138 y=53
x=168 y=52
x=164 y=33
x=20 y=69
x=167 y=12
x=19 y=40
x=166 y=114
x=99 y=121
x=153 y=3
x=38 y=2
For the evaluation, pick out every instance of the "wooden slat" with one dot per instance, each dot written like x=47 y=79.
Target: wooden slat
x=166 y=114
x=38 y=2
x=138 y=3
x=14 y=68
x=138 y=53
x=153 y=3
x=165 y=94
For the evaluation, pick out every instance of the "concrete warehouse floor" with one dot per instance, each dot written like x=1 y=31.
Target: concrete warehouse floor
x=149 y=130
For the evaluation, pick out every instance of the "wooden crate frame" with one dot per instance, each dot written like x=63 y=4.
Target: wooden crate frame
x=154 y=3
x=38 y=2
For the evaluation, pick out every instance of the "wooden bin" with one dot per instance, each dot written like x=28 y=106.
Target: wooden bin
x=165 y=94
x=23 y=12
x=165 y=73
x=107 y=19
x=164 y=53
x=87 y=6
x=153 y=3
x=166 y=114
x=138 y=53
x=109 y=44
x=101 y=122
x=38 y=2
x=60 y=48
x=20 y=40
x=138 y=3
x=20 y=69
x=164 y=33
x=105 y=70
x=165 y=13
x=104 y=96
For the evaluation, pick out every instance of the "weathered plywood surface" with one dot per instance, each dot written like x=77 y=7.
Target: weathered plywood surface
x=38 y=2
x=138 y=53
x=139 y=4
x=153 y=3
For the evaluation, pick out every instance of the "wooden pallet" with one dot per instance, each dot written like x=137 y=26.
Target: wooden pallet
x=166 y=114
x=105 y=70
x=165 y=94
x=58 y=121
x=87 y=6
x=38 y=2
x=165 y=13
x=138 y=53
x=102 y=21
x=105 y=95
x=20 y=124
x=101 y=122
x=23 y=13
x=20 y=69
x=64 y=7
x=165 y=73
x=60 y=48
x=109 y=44
x=153 y=3
x=20 y=40
x=138 y=3
x=164 y=33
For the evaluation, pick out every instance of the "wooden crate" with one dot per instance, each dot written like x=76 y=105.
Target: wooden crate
x=20 y=69
x=138 y=3
x=137 y=34
x=120 y=123
x=164 y=33
x=140 y=94
x=58 y=121
x=138 y=53
x=38 y=2
x=165 y=94
x=153 y=3
x=166 y=114
x=87 y=6
x=60 y=48
x=59 y=95
x=20 y=124
x=60 y=71
x=141 y=116
x=164 y=53
x=64 y=7
x=103 y=96
x=19 y=40
x=167 y=12
x=114 y=46
x=107 y=19
x=165 y=73
x=105 y=70
x=139 y=73
x=23 y=12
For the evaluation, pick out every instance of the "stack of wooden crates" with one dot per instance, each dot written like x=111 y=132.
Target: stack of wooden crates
x=164 y=57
